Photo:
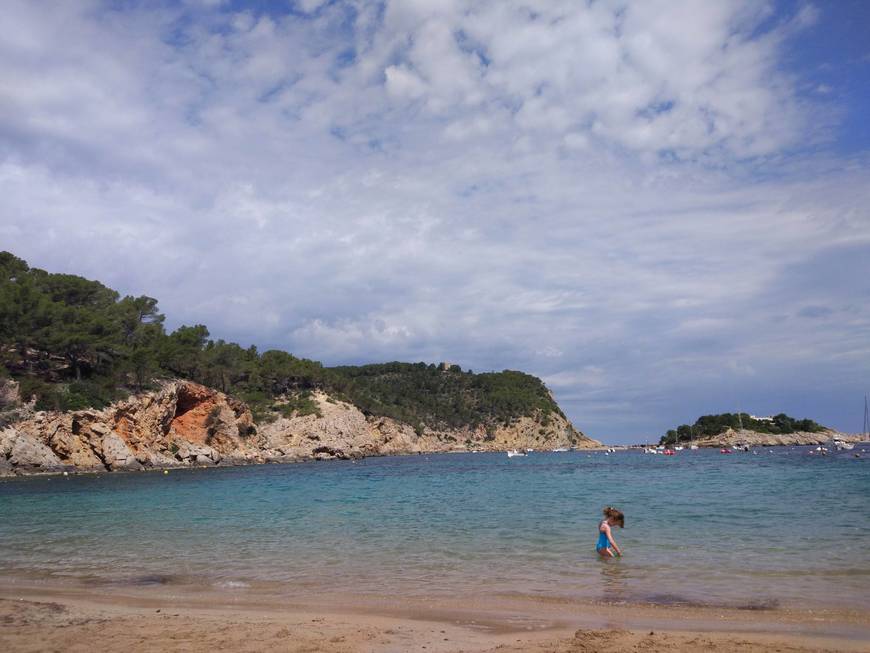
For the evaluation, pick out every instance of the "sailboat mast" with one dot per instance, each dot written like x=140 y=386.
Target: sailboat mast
x=866 y=430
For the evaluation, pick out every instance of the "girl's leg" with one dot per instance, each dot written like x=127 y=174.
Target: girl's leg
x=605 y=553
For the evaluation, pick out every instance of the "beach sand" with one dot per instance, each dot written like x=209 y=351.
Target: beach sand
x=78 y=619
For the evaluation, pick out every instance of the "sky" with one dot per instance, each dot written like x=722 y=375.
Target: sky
x=660 y=208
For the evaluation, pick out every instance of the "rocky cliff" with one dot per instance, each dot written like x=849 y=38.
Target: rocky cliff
x=185 y=424
x=342 y=430
x=734 y=437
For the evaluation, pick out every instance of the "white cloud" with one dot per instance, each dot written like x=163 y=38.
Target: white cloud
x=607 y=195
x=310 y=6
x=404 y=83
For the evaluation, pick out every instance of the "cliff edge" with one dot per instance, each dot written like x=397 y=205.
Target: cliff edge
x=184 y=424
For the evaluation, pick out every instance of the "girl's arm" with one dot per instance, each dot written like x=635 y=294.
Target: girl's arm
x=611 y=540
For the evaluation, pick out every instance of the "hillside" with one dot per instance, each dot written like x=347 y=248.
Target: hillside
x=716 y=430
x=72 y=346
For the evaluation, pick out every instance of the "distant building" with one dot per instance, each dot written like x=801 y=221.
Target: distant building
x=445 y=367
x=767 y=418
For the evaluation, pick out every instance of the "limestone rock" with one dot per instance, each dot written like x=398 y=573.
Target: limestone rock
x=342 y=428
x=8 y=437
x=117 y=455
x=140 y=430
x=12 y=408
x=185 y=424
x=10 y=396
x=158 y=459
x=30 y=454
x=734 y=437
x=199 y=454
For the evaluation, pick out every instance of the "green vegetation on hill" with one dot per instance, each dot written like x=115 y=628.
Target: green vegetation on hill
x=74 y=343
x=419 y=394
x=713 y=425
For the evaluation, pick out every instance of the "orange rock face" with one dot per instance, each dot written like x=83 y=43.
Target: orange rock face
x=180 y=424
x=186 y=424
x=195 y=404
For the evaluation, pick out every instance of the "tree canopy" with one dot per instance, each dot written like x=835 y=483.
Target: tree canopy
x=713 y=425
x=74 y=343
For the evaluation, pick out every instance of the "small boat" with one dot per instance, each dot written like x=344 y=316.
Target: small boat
x=514 y=453
x=694 y=447
x=678 y=448
x=560 y=450
x=611 y=450
x=669 y=452
x=724 y=450
x=839 y=445
x=530 y=450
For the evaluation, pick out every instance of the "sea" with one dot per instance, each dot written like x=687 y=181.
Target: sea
x=780 y=527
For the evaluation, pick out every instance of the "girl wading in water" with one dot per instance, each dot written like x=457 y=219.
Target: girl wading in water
x=606 y=546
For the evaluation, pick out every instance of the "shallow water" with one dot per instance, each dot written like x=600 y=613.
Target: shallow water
x=781 y=528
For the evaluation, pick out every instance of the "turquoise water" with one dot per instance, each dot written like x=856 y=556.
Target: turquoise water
x=780 y=528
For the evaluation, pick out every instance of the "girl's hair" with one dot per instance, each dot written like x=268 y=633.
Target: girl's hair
x=615 y=515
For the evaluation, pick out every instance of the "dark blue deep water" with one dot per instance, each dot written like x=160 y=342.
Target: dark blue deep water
x=780 y=527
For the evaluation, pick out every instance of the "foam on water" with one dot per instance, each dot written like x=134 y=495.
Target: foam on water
x=782 y=528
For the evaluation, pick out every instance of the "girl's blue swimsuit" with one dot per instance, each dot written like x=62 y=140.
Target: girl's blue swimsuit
x=602 y=539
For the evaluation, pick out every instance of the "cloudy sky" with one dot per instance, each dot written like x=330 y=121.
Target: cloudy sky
x=661 y=208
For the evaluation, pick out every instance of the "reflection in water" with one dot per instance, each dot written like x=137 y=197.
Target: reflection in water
x=614 y=576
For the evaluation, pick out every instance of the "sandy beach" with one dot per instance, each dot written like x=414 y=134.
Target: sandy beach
x=71 y=618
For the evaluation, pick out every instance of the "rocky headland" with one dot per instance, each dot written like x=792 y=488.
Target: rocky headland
x=184 y=424
x=735 y=437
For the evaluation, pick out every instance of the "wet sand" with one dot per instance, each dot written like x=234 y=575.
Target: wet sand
x=74 y=618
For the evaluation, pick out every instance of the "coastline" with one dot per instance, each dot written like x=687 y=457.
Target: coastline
x=241 y=463
x=53 y=616
x=184 y=424
x=71 y=471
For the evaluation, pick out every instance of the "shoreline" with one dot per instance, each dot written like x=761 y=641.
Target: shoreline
x=39 y=617
x=70 y=472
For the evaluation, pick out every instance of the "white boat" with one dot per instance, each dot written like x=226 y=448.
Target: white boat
x=839 y=445
x=678 y=448
x=530 y=450
x=650 y=450
x=560 y=450
x=514 y=452
x=694 y=447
